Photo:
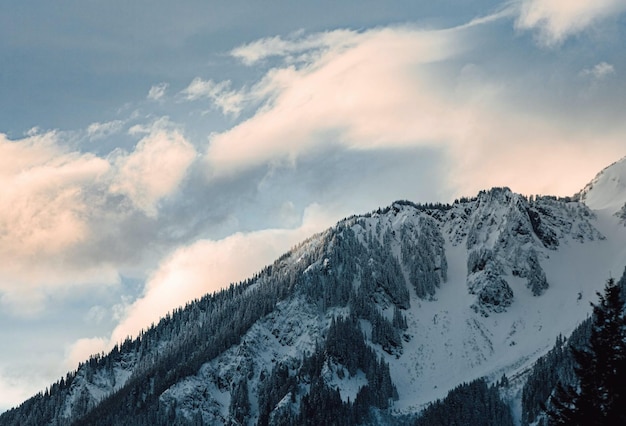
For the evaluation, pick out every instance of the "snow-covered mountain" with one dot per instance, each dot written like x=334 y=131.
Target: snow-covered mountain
x=369 y=321
x=607 y=191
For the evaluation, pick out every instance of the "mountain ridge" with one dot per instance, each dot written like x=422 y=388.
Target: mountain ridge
x=442 y=294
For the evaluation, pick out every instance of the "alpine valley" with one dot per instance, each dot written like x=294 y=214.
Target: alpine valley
x=410 y=314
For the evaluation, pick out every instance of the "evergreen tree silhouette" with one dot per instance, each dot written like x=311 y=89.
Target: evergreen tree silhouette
x=601 y=369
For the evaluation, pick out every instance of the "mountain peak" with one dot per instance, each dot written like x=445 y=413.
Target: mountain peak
x=607 y=191
x=378 y=316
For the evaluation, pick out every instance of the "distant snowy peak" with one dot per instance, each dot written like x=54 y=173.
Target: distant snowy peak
x=607 y=191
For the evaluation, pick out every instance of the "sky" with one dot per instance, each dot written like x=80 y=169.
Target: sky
x=154 y=151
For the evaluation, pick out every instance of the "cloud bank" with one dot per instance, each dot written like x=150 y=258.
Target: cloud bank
x=383 y=89
x=57 y=204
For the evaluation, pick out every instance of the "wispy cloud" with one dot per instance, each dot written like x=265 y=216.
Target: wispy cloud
x=157 y=91
x=295 y=47
x=556 y=20
x=229 y=101
x=365 y=96
x=382 y=90
x=101 y=130
x=599 y=71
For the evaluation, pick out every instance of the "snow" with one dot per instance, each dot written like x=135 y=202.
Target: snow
x=99 y=384
x=451 y=343
x=348 y=386
x=608 y=189
x=452 y=337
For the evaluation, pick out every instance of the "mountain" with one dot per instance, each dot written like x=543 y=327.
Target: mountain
x=371 y=321
x=607 y=191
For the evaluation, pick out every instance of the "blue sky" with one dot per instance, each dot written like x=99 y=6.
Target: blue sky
x=152 y=152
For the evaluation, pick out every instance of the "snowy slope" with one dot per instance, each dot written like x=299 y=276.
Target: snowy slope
x=453 y=336
x=484 y=286
x=607 y=191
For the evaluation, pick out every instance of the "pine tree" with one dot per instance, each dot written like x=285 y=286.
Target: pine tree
x=601 y=369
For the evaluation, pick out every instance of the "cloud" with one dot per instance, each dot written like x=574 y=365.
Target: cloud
x=556 y=20
x=210 y=265
x=230 y=102
x=101 y=130
x=157 y=91
x=96 y=315
x=599 y=71
x=401 y=88
x=70 y=219
x=82 y=349
x=14 y=390
x=259 y=50
x=153 y=170
x=370 y=94
x=43 y=210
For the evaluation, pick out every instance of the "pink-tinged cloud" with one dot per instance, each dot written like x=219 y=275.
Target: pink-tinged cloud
x=43 y=215
x=42 y=210
x=371 y=93
x=153 y=170
x=530 y=155
x=556 y=20
x=208 y=266
x=82 y=349
x=385 y=89
x=54 y=209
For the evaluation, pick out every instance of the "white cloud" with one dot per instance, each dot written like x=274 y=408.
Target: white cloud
x=230 y=102
x=256 y=51
x=557 y=20
x=200 y=88
x=207 y=266
x=154 y=170
x=599 y=71
x=101 y=130
x=96 y=314
x=155 y=125
x=157 y=91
